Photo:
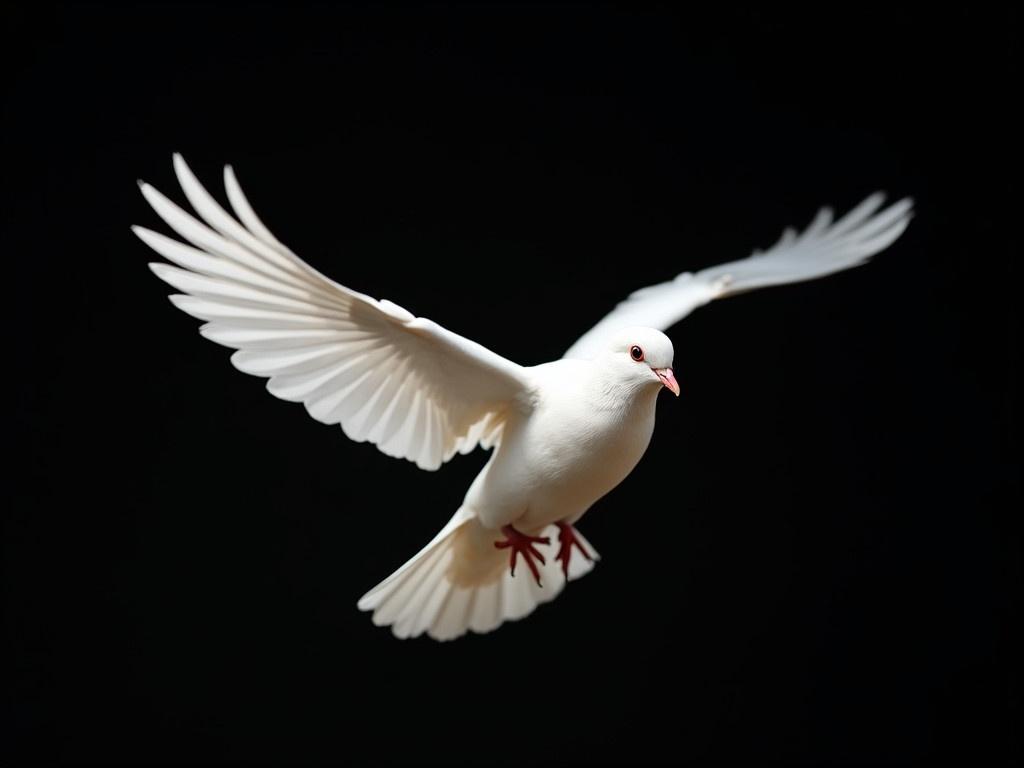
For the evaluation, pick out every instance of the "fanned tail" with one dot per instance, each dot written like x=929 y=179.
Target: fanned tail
x=461 y=582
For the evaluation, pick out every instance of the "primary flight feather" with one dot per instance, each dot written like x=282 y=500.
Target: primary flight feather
x=564 y=433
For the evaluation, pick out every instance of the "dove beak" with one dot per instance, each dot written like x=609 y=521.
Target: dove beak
x=668 y=379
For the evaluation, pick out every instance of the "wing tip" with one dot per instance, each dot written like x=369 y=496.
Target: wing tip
x=908 y=203
x=178 y=299
x=181 y=168
x=157 y=267
x=876 y=198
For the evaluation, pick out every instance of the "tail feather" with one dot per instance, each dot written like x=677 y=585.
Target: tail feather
x=430 y=595
x=406 y=606
x=486 y=614
x=383 y=591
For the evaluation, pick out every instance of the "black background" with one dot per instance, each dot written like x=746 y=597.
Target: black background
x=817 y=560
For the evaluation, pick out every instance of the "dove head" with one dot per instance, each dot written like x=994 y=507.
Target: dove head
x=643 y=357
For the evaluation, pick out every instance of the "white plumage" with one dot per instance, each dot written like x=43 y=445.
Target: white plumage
x=821 y=249
x=414 y=389
x=564 y=433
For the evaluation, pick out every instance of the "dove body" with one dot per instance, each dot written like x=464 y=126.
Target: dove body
x=563 y=433
x=590 y=423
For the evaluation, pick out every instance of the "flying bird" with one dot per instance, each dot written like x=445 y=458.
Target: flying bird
x=563 y=433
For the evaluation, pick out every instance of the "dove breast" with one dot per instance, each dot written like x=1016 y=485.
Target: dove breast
x=583 y=436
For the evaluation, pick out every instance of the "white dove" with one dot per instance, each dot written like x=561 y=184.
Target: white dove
x=564 y=433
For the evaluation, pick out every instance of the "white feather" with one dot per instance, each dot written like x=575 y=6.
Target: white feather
x=565 y=432
x=339 y=352
x=819 y=251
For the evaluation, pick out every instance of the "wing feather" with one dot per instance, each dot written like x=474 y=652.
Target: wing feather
x=415 y=389
x=822 y=249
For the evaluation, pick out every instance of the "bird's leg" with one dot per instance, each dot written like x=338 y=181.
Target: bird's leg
x=566 y=540
x=522 y=544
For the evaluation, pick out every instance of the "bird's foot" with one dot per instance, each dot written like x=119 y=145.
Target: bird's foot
x=521 y=544
x=567 y=539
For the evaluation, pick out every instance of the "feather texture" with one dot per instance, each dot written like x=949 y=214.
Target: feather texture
x=822 y=249
x=415 y=389
x=420 y=392
x=421 y=598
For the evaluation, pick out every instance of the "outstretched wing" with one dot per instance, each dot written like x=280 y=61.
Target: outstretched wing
x=823 y=248
x=413 y=388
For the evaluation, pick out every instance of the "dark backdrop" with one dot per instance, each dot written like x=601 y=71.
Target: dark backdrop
x=818 y=559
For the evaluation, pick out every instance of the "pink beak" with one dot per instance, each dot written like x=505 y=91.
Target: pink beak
x=668 y=379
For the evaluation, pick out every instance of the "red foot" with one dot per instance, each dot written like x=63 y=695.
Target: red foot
x=522 y=544
x=566 y=540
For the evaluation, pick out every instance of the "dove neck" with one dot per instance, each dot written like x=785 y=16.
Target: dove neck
x=627 y=396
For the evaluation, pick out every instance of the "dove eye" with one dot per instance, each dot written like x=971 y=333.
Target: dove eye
x=636 y=353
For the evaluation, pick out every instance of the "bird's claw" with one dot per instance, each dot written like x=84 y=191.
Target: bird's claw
x=567 y=539
x=520 y=543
